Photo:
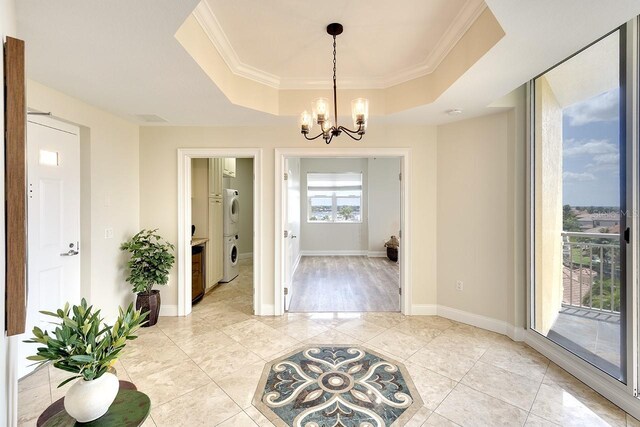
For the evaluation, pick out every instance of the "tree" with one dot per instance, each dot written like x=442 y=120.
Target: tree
x=346 y=212
x=570 y=219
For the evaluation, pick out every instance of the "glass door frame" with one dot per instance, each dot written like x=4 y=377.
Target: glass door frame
x=624 y=395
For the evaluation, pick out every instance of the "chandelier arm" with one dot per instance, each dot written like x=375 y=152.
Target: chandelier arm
x=328 y=140
x=350 y=135
x=350 y=132
x=315 y=137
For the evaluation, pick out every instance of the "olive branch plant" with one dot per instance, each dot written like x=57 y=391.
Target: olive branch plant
x=80 y=345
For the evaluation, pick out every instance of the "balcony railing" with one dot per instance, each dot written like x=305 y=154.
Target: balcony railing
x=591 y=271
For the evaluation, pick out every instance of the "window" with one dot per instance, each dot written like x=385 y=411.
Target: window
x=334 y=197
x=579 y=187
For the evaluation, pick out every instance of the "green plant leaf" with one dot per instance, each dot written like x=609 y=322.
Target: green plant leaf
x=67 y=380
x=84 y=358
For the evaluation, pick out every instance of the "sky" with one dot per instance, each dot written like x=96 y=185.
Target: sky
x=591 y=152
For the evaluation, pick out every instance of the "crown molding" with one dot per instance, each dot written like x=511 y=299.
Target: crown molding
x=209 y=23
x=459 y=26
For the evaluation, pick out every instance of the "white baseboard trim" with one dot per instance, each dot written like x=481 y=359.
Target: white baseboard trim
x=599 y=381
x=483 y=322
x=516 y=333
x=267 y=310
x=334 y=253
x=424 y=310
x=377 y=254
x=167 y=310
x=248 y=255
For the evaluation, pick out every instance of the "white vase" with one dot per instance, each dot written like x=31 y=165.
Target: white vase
x=88 y=400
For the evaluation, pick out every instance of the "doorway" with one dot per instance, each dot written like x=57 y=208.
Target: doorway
x=327 y=192
x=53 y=217
x=213 y=256
x=222 y=232
x=341 y=212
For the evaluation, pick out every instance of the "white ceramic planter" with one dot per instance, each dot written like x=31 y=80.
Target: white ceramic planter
x=88 y=400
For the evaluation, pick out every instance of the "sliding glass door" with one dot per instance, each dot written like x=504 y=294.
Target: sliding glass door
x=578 y=180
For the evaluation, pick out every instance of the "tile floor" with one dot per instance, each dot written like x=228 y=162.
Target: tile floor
x=204 y=369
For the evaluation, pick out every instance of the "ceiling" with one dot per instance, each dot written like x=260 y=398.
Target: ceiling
x=122 y=55
x=284 y=44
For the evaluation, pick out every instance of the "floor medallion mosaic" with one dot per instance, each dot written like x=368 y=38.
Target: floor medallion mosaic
x=336 y=386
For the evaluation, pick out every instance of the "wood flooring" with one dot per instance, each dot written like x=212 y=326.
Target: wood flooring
x=345 y=283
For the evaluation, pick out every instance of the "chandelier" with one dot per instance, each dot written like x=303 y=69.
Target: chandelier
x=321 y=112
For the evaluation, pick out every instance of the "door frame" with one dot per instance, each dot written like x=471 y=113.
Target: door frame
x=184 y=226
x=405 y=220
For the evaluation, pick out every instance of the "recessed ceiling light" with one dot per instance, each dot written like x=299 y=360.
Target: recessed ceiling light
x=151 y=118
x=454 y=111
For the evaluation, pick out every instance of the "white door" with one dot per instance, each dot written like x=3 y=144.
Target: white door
x=288 y=238
x=53 y=161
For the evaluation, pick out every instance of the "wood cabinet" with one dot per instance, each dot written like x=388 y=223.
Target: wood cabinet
x=216 y=240
x=215 y=177
x=198 y=275
x=229 y=169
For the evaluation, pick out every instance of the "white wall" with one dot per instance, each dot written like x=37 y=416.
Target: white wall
x=380 y=207
x=113 y=197
x=158 y=188
x=9 y=388
x=200 y=196
x=333 y=238
x=384 y=202
x=472 y=213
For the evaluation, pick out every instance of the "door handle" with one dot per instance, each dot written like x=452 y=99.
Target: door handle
x=294 y=237
x=70 y=253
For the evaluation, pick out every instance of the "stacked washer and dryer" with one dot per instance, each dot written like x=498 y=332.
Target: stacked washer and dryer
x=231 y=215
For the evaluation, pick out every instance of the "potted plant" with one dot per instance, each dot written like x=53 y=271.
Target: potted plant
x=151 y=260
x=82 y=345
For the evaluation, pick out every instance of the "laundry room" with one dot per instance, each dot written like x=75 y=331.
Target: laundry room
x=222 y=230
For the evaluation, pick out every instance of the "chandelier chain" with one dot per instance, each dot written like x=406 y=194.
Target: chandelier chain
x=334 y=59
x=335 y=96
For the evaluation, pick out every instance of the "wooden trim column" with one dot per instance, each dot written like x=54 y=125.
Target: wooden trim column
x=15 y=187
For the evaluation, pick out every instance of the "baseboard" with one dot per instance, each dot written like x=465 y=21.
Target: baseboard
x=267 y=310
x=424 y=310
x=377 y=254
x=516 y=333
x=484 y=322
x=168 y=310
x=248 y=255
x=334 y=253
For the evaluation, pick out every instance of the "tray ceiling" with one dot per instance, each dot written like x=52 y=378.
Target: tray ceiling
x=284 y=44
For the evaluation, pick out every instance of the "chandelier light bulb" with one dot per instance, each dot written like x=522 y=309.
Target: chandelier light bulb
x=306 y=122
x=326 y=126
x=321 y=110
x=360 y=111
